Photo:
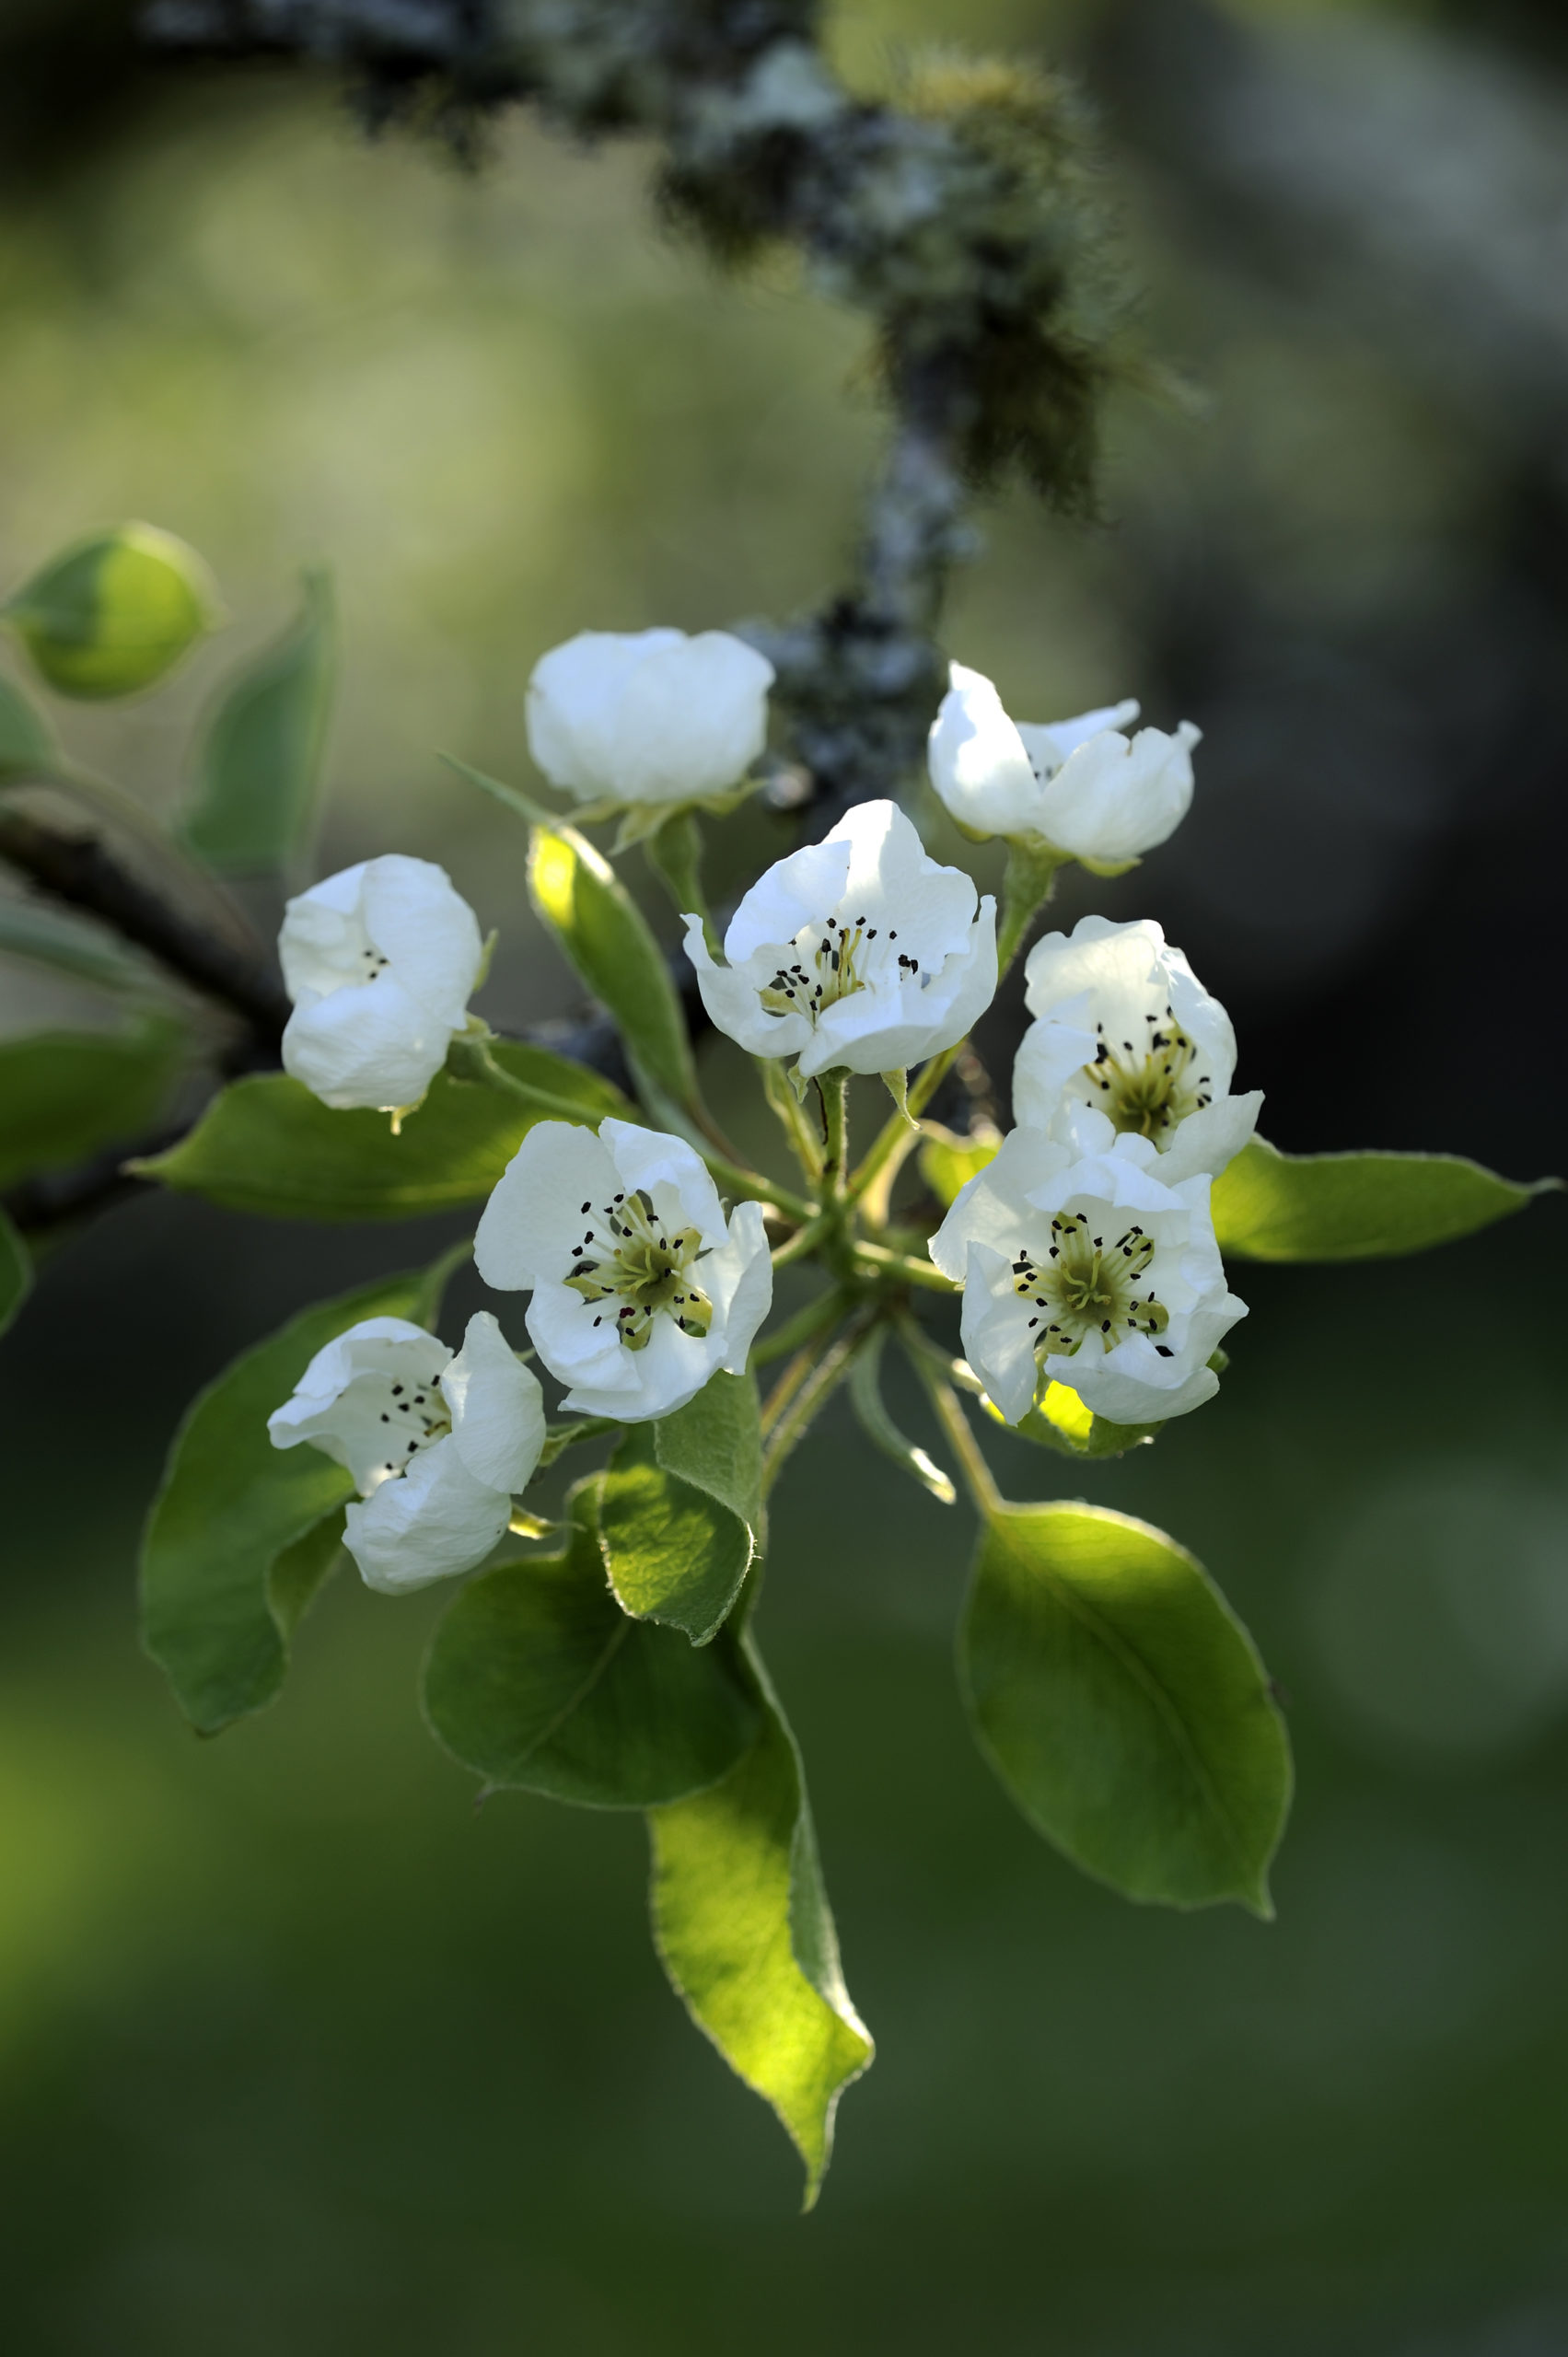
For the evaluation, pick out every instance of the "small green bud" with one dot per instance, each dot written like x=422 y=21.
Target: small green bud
x=114 y=614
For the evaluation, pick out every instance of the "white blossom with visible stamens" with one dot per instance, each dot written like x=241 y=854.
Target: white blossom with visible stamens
x=641 y=1288
x=1088 y=1270
x=437 y=1443
x=648 y=715
x=381 y=962
x=1126 y=1031
x=858 y=953
x=1080 y=785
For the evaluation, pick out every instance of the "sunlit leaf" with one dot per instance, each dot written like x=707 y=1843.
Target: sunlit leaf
x=1060 y=1420
x=267 y=1145
x=16 y=1272
x=235 y=1545
x=947 y=1162
x=538 y=1680
x=680 y=1507
x=742 y=1923
x=115 y=614
x=608 y=940
x=1125 y=1706
x=259 y=760
x=1275 y=1206
x=65 y=1095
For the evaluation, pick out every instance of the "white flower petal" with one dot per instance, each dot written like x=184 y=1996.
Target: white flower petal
x=433 y=1524
x=415 y=918
x=1116 y=798
x=648 y=715
x=342 y=1403
x=978 y=762
x=498 y=1408
x=692 y=719
x=1054 y=741
x=573 y=705
x=370 y=1045
x=797 y=891
x=533 y=1219
x=381 y=962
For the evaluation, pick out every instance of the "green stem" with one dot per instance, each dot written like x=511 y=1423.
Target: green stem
x=914 y=1338
x=1027 y=885
x=674 y=851
x=791 y=1425
x=788 y=1110
x=877 y=1260
x=897 y=1135
x=805 y=1239
x=798 y=1328
x=987 y=1498
x=835 y=1089
x=559 y=1438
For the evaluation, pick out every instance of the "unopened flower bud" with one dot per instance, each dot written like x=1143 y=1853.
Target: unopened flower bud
x=116 y=614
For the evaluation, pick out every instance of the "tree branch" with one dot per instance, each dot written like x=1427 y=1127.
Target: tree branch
x=79 y=871
x=961 y=221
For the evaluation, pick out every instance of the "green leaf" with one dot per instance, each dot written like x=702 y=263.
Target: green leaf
x=26 y=739
x=538 y=1680
x=947 y=1162
x=115 y=614
x=607 y=939
x=1059 y=1420
x=16 y=1272
x=680 y=1508
x=64 y=1095
x=1275 y=1206
x=267 y=1145
x=743 y=1927
x=261 y=755
x=234 y=1547
x=1125 y=1706
x=299 y=1573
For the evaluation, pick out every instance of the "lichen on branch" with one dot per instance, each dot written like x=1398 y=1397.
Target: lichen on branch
x=959 y=213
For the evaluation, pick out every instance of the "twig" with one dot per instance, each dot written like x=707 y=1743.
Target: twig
x=79 y=871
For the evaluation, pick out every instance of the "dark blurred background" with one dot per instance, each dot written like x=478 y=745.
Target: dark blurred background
x=299 y=2055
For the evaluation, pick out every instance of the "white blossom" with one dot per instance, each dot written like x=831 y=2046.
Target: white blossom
x=640 y=1291
x=858 y=952
x=381 y=962
x=649 y=717
x=1126 y=1031
x=437 y=1443
x=1088 y=1270
x=1080 y=785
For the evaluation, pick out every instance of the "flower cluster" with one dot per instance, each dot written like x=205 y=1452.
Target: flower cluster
x=1085 y=1251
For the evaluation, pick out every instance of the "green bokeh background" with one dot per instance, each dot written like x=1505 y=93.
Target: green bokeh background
x=299 y=2054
